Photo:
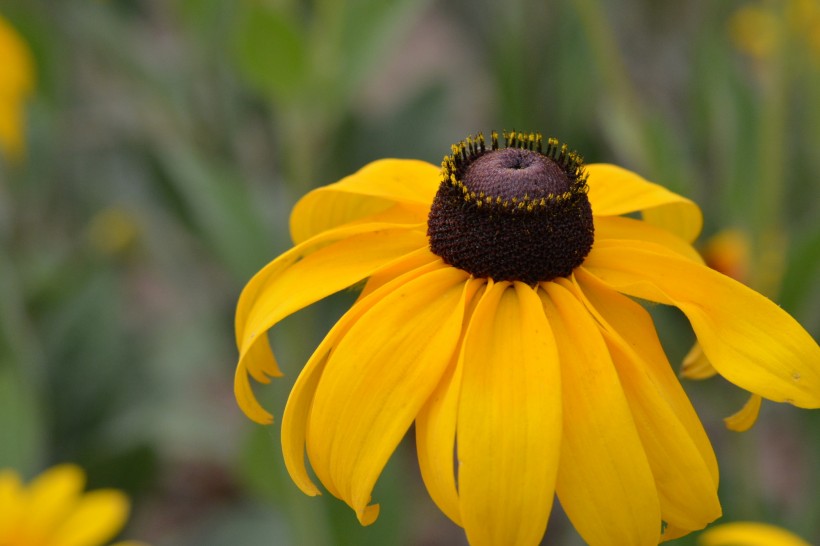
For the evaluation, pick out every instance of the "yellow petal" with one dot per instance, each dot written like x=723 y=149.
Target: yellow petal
x=409 y=262
x=749 y=534
x=246 y=399
x=748 y=339
x=509 y=419
x=618 y=227
x=380 y=242
x=436 y=427
x=11 y=491
x=97 y=517
x=614 y=191
x=300 y=401
x=302 y=276
x=377 y=379
x=374 y=188
x=696 y=365
x=687 y=492
x=436 y=440
x=633 y=324
x=746 y=417
x=670 y=532
x=51 y=496
x=605 y=483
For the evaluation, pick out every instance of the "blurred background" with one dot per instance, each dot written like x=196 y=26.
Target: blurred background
x=150 y=152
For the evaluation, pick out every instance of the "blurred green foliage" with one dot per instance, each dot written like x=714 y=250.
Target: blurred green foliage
x=167 y=141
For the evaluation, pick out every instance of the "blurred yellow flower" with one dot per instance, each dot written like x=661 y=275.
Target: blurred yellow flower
x=495 y=315
x=729 y=252
x=755 y=30
x=113 y=231
x=749 y=534
x=759 y=29
x=16 y=84
x=53 y=510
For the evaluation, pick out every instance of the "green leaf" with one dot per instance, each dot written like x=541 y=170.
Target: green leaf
x=218 y=204
x=371 y=28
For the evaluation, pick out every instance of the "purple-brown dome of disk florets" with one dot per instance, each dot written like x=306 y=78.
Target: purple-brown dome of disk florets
x=517 y=213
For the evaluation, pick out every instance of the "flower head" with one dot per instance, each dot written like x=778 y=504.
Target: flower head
x=496 y=315
x=53 y=511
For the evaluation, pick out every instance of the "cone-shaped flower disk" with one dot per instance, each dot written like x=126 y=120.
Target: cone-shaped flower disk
x=496 y=315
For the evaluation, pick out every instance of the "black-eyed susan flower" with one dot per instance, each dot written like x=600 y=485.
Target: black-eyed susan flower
x=748 y=533
x=496 y=316
x=52 y=510
x=16 y=84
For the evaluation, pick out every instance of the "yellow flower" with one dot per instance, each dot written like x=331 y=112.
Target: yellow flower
x=113 y=230
x=53 y=511
x=491 y=319
x=16 y=84
x=755 y=30
x=749 y=534
x=759 y=29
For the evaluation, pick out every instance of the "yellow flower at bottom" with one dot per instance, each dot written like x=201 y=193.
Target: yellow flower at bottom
x=749 y=534
x=53 y=510
x=496 y=316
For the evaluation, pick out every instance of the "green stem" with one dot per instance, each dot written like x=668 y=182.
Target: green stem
x=769 y=234
x=630 y=121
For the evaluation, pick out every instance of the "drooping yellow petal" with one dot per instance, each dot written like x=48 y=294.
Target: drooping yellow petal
x=746 y=417
x=632 y=323
x=743 y=533
x=372 y=189
x=311 y=271
x=696 y=365
x=509 y=419
x=381 y=242
x=605 y=483
x=246 y=399
x=619 y=227
x=300 y=400
x=614 y=191
x=748 y=339
x=51 y=496
x=686 y=488
x=96 y=518
x=377 y=379
x=436 y=426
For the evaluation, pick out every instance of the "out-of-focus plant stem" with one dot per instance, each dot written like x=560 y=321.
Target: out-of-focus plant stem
x=768 y=241
x=629 y=119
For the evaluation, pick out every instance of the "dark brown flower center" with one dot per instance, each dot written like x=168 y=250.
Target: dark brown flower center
x=517 y=213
